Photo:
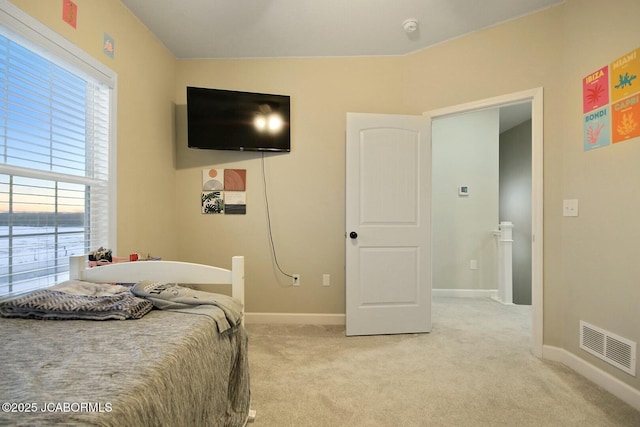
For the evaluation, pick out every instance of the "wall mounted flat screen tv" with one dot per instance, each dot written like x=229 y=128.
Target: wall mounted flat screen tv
x=244 y=121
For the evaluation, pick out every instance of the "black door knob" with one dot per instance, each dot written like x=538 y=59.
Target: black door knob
x=353 y=235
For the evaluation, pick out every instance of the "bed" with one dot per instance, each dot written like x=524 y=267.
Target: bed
x=168 y=367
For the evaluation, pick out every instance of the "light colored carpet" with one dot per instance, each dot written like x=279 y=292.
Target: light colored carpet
x=473 y=369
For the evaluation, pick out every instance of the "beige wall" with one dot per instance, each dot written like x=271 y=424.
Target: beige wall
x=591 y=266
x=600 y=271
x=146 y=177
x=305 y=187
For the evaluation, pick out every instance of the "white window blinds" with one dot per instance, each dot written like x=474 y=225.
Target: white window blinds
x=54 y=165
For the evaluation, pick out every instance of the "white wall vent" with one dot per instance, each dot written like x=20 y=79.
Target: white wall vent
x=613 y=349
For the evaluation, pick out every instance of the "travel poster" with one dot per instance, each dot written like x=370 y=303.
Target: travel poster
x=597 y=129
x=624 y=75
x=595 y=90
x=626 y=118
x=611 y=102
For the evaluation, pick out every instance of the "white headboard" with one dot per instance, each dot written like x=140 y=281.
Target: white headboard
x=162 y=271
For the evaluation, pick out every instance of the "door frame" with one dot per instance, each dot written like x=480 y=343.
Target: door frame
x=535 y=96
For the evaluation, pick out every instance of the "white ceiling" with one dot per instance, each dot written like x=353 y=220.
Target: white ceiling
x=200 y=29
x=197 y=29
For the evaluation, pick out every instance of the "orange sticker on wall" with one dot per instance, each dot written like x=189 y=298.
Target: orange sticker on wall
x=70 y=12
x=625 y=116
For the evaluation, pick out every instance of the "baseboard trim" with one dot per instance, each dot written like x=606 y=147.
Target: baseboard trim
x=605 y=380
x=295 y=318
x=340 y=319
x=465 y=293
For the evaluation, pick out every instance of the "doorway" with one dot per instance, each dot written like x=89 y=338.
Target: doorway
x=534 y=99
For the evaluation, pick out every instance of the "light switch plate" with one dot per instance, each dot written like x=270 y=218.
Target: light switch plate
x=570 y=207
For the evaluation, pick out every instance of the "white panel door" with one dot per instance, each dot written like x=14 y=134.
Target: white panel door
x=388 y=258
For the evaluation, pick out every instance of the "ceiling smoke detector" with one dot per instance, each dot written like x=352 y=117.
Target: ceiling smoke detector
x=410 y=25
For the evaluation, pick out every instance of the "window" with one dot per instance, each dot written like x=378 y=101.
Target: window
x=55 y=135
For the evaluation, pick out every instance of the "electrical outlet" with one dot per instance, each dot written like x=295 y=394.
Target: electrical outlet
x=296 y=280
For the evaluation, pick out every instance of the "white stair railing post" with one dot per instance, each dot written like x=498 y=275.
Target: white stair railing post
x=505 y=262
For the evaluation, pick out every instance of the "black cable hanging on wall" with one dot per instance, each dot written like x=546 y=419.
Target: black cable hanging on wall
x=273 y=246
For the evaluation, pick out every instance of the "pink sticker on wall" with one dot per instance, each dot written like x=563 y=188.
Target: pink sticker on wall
x=70 y=12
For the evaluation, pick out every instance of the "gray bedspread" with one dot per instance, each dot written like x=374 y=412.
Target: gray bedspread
x=167 y=368
x=171 y=296
x=56 y=304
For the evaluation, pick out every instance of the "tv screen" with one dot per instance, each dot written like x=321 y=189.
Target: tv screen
x=230 y=120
